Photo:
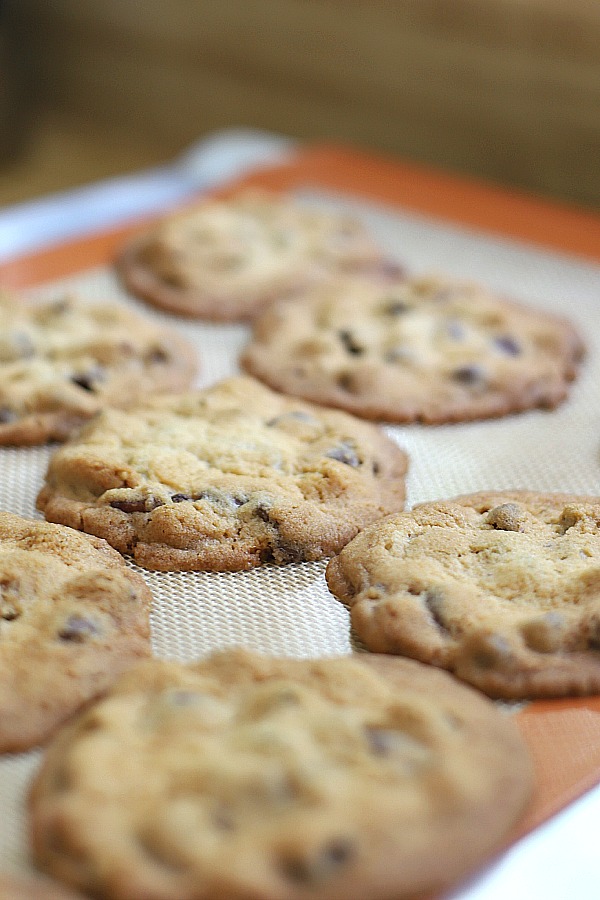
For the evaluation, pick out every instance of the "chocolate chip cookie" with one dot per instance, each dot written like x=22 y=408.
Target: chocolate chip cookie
x=30 y=887
x=61 y=361
x=226 y=259
x=243 y=776
x=503 y=589
x=426 y=350
x=73 y=616
x=226 y=478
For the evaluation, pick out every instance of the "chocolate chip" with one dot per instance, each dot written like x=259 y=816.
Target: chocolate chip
x=286 y=552
x=351 y=345
x=344 y=453
x=180 y=498
x=10 y=604
x=469 y=374
x=7 y=415
x=222 y=819
x=379 y=740
x=507 y=344
x=333 y=855
x=395 y=307
x=388 y=268
x=58 y=307
x=158 y=355
x=9 y=609
x=593 y=638
x=222 y=498
x=88 y=380
x=263 y=512
x=433 y=598
x=141 y=504
x=77 y=629
x=346 y=381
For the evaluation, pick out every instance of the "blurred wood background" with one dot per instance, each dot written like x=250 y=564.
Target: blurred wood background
x=507 y=90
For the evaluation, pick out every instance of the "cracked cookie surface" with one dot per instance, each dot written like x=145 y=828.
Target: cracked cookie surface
x=225 y=259
x=73 y=616
x=226 y=478
x=62 y=361
x=501 y=588
x=426 y=350
x=244 y=776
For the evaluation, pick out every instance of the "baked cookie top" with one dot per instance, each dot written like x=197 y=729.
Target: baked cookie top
x=243 y=776
x=226 y=478
x=31 y=887
x=73 y=616
x=427 y=350
x=61 y=361
x=225 y=259
x=502 y=588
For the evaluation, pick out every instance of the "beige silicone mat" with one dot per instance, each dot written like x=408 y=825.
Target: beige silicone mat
x=289 y=610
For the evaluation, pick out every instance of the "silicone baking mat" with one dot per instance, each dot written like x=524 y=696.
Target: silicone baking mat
x=428 y=223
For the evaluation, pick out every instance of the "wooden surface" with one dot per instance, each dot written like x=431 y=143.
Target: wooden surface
x=505 y=89
x=64 y=152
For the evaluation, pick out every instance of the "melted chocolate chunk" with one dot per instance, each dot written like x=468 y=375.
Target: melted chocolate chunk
x=395 y=307
x=469 y=374
x=379 y=740
x=350 y=343
x=593 y=640
x=346 y=381
x=508 y=345
x=89 y=380
x=344 y=453
x=78 y=629
x=433 y=598
x=221 y=498
x=9 y=609
x=263 y=512
x=10 y=604
x=7 y=415
x=142 y=504
x=331 y=857
x=158 y=355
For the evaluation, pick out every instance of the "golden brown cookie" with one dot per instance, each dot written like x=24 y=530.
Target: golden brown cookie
x=62 y=361
x=73 y=616
x=227 y=478
x=31 y=887
x=224 y=259
x=501 y=588
x=426 y=350
x=244 y=777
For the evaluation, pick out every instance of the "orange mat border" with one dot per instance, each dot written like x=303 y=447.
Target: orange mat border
x=563 y=735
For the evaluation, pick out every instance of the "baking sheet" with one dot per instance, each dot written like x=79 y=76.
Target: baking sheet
x=289 y=610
